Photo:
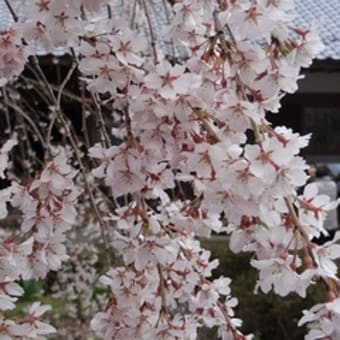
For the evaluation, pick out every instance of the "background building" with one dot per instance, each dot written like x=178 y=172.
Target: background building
x=316 y=106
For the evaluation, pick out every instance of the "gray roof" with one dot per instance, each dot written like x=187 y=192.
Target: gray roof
x=5 y=17
x=325 y=14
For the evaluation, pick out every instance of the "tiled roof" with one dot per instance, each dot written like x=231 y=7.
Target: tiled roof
x=325 y=14
x=5 y=18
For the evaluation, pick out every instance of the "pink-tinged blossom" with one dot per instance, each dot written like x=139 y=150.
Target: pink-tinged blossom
x=4 y=150
x=280 y=275
x=322 y=320
x=325 y=255
x=33 y=327
x=48 y=212
x=51 y=24
x=256 y=22
x=9 y=293
x=312 y=210
x=13 y=55
x=5 y=195
x=281 y=78
x=261 y=161
x=309 y=46
x=171 y=81
x=181 y=162
x=126 y=48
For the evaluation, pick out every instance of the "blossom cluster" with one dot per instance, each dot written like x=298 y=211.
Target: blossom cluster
x=196 y=156
x=13 y=55
x=47 y=208
x=324 y=320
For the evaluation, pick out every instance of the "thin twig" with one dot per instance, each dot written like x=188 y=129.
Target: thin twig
x=309 y=244
x=10 y=8
x=109 y=11
x=133 y=15
x=152 y=32
x=128 y=127
x=83 y=117
x=102 y=223
x=43 y=78
x=30 y=121
x=206 y=125
x=8 y=119
x=168 y=21
x=105 y=137
x=39 y=86
x=58 y=101
x=66 y=93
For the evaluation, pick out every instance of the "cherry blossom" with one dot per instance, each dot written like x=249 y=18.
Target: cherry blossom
x=5 y=149
x=13 y=55
x=182 y=150
x=322 y=320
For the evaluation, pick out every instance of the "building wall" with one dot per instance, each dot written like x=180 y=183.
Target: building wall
x=320 y=82
x=315 y=109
